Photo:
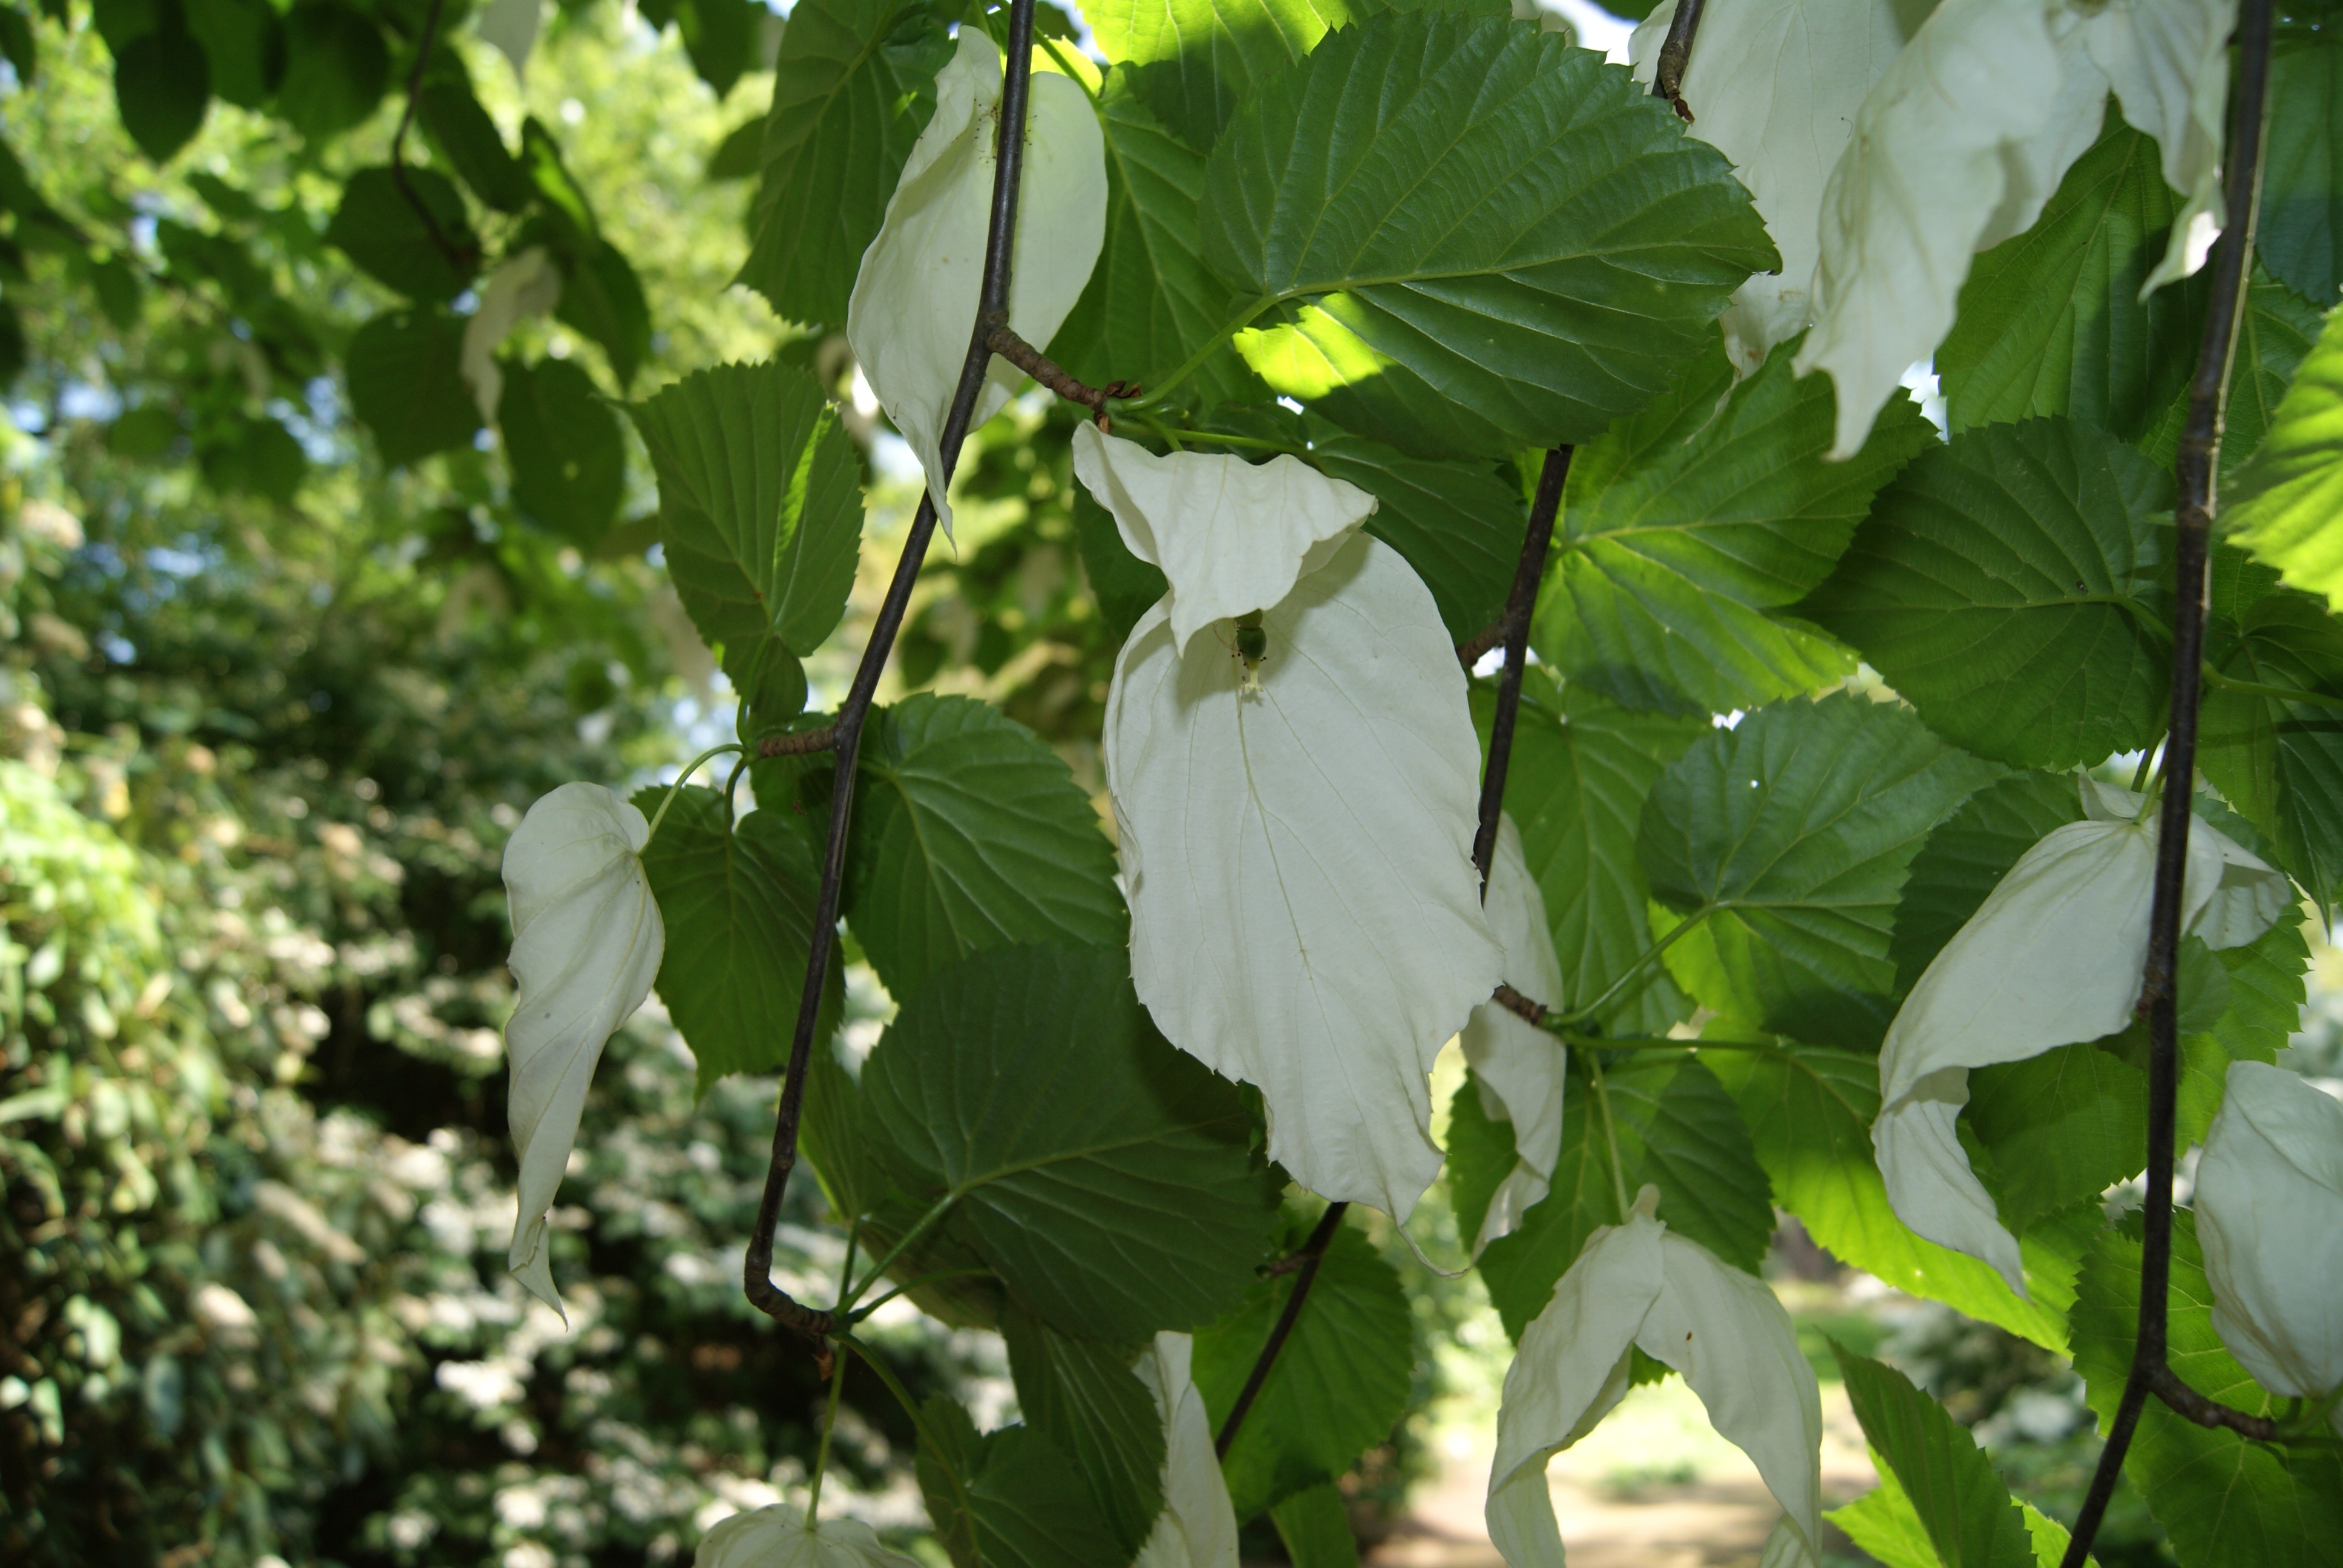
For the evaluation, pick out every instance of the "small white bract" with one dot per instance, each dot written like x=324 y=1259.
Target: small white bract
x=1198 y=1526
x=526 y=285
x=1638 y=1285
x=587 y=943
x=915 y=297
x=777 y=1536
x=1518 y=1066
x=511 y=26
x=2270 y=1212
x=2053 y=956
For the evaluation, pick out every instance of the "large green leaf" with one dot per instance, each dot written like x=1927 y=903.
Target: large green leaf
x=2224 y=1501
x=738 y=906
x=1809 y=1112
x=1459 y=524
x=971 y=833
x=337 y=68
x=1314 y=1524
x=2051 y=321
x=2300 y=234
x=1007 y=1499
x=162 y=85
x=406 y=383
x=2274 y=337
x=1193 y=61
x=378 y=227
x=2284 y=502
x=1475 y=236
x=1082 y=1396
x=2062 y=1126
x=853 y=87
x=1787 y=838
x=2279 y=759
x=1967 y=856
x=563 y=441
x=451 y=116
x=2005 y=584
x=1339 y=1386
x=1480 y=1156
x=1582 y=768
x=1107 y=1178
x=1685 y=525
x=1950 y=1482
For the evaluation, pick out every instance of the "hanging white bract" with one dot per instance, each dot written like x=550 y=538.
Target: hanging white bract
x=511 y=26
x=2168 y=62
x=1296 y=839
x=526 y=285
x=2270 y=1212
x=914 y=301
x=2053 y=956
x=1518 y=1066
x=1637 y=1284
x=778 y=1536
x=587 y=943
x=1198 y=1526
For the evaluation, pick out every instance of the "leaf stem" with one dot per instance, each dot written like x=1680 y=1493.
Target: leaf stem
x=681 y=779
x=1228 y=329
x=2276 y=693
x=837 y=1386
x=1529 y=571
x=1313 y=1253
x=1610 y=1130
x=919 y=1227
x=1559 y=1023
x=859 y=1313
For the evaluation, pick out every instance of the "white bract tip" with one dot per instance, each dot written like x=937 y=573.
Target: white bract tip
x=2053 y=956
x=1517 y=1065
x=587 y=943
x=2270 y=1212
x=526 y=285
x=1232 y=535
x=511 y=26
x=1637 y=1285
x=778 y=1536
x=914 y=300
x=1198 y=1526
x=2169 y=61
x=1305 y=912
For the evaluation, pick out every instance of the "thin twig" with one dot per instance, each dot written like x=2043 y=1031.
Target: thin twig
x=1515 y=1003
x=2167 y=1386
x=1519 y=604
x=1471 y=651
x=462 y=258
x=1313 y=1253
x=1675 y=58
x=1002 y=340
x=2200 y=446
x=992 y=303
x=802 y=743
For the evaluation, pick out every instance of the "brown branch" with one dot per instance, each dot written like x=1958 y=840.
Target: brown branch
x=1522 y=1007
x=2166 y=1385
x=462 y=258
x=1002 y=340
x=1519 y=603
x=992 y=304
x=1313 y=1253
x=1675 y=58
x=1471 y=651
x=804 y=742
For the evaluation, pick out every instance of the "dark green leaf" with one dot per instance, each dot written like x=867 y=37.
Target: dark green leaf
x=2062 y=1126
x=18 y=45
x=406 y=383
x=2224 y=1501
x=1007 y=1499
x=384 y=232
x=738 y=156
x=1459 y=525
x=1476 y=237
x=2273 y=336
x=852 y=88
x=2300 y=235
x=1960 y=1501
x=771 y=683
x=1082 y=1396
x=602 y=297
x=1685 y=524
x=244 y=45
x=564 y=447
x=565 y=208
x=1967 y=856
x=12 y=344
x=1124 y=586
x=1339 y=1385
x=738 y=906
x=2278 y=760
x=143 y=433
x=2005 y=584
x=2051 y=322
x=1315 y=1527
x=1796 y=829
x=835 y=1133
x=162 y=88
x=253 y=457
x=1480 y=1156
x=469 y=140
x=970 y=834
x=720 y=37
x=337 y=68
x=1107 y=1178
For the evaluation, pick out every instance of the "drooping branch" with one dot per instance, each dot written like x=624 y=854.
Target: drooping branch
x=2194 y=470
x=461 y=257
x=1303 y=1265
x=1675 y=58
x=1519 y=604
x=1003 y=341
x=992 y=306
x=801 y=743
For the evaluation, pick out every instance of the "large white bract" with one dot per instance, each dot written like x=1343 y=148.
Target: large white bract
x=778 y=1536
x=1518 y=1066
x=526 y=285
x=1305 y=912
x=2168 y=62
x=1637 y=1284
x=915 y=297
x=2270 y=1212
x=2053 y=956
x=587 y=942
x=1198 y=1526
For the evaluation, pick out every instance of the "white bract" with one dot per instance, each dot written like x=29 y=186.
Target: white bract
x=914 y=300
x=1775 y=86
x=778 y=1536
x=1198 y=1526
x=1637 y=1284
x=526 y=285
x=1304 y=911
x=511 y=26
x=1517 y=1065
x=1230 y=536
x=2053 y=956
x=2169 y=61
x=587 y=942
x=2270 y=1211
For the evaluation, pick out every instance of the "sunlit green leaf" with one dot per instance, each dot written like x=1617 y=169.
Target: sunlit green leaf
x=2279 y=759
x=1961 y=1502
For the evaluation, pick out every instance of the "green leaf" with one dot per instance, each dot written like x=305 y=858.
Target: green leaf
x=760 y=504
x=1793 y=832
x=2004 y=585
x=602 y=297
x=1124 y=586
x=253 y=457
x=836 y=1136
x=1192 y=62
x=18 y=44
x=1967 y=856
x=853 y=87
x=738 y=906
x=2224 y=1501
x=1582 y=768
x=2062 y=1126
x=1338 y=1387
x=1082 y=1396
x=2273 y=339
x=1459 y=524
x=2265 y=998
x=1007 y=1499
x=336 y=69
x=1685 y=524
x=1809 y=1112
x=464 y=135
x=1315 y=1527
x=2280 y=760
x=1883 y=1522
x=378 y=228
x=1947 y=1479
x=970 y=834
x=2051 y=321
x=1476 y=237
x=1480 y=1153
x=720 y=37
x=406 y=383
x=2281 y=505
x=1107 y=1178
x=162 y=88
x=2302 y=185
x=565 y=446
x=740 y=155
x=244 y=46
